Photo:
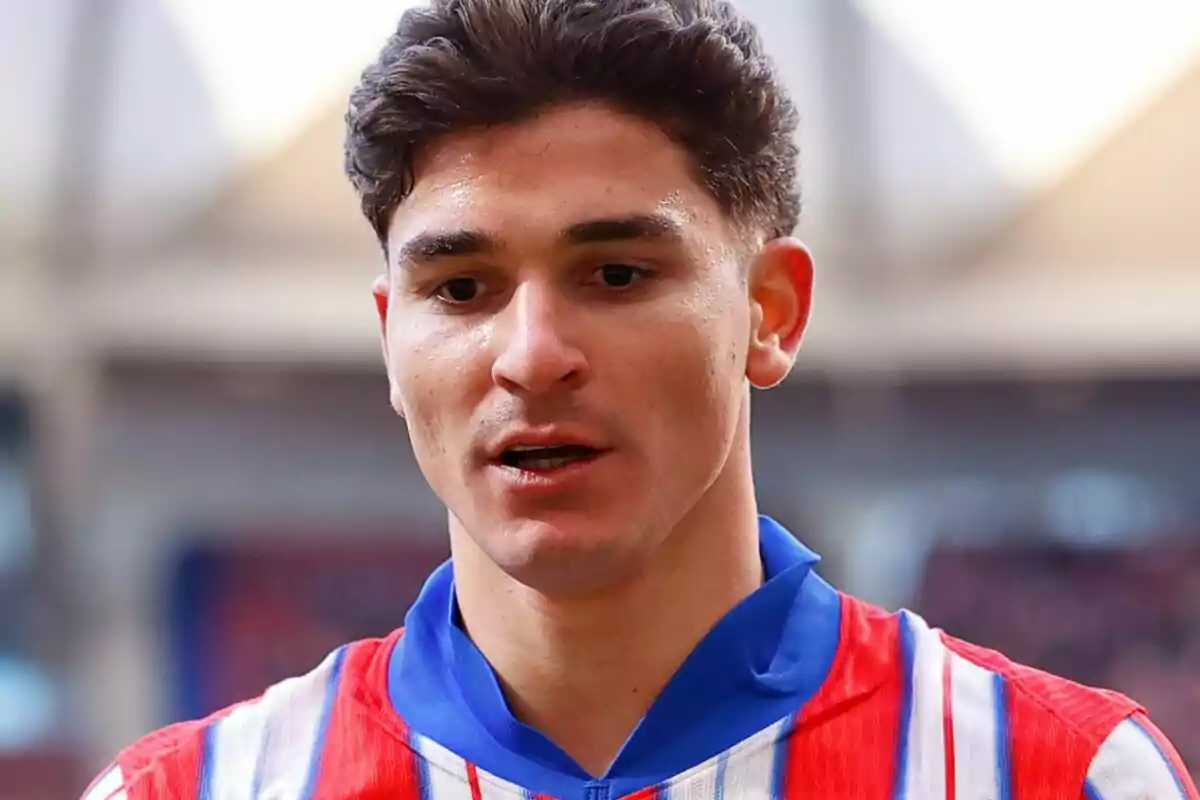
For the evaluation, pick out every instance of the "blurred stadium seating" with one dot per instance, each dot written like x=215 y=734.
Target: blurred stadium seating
x=1126 y=618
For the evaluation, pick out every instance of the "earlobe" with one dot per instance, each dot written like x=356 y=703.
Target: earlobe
x=780 y=293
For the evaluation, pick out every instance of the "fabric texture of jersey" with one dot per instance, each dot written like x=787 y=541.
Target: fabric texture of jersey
x=799 y=692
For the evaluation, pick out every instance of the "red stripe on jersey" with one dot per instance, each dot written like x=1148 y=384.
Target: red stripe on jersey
x=1055 y=727
x=367 y=754
x=166 y=763
x=473 y=779
x=844 y=742
x=948 y=722
x=649 y=793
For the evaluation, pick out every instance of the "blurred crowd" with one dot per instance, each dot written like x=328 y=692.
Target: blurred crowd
x=1124 y=618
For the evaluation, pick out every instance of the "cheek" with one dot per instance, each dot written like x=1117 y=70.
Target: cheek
x=721 y=338
x=432 y=381
x=699 y=369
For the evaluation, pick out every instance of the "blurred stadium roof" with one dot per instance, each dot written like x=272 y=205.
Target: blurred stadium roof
x=928 y=128
x=1000 y=63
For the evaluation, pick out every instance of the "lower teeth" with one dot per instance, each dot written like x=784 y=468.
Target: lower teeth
x=546 y=463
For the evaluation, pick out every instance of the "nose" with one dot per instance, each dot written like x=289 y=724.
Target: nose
x=536 y=350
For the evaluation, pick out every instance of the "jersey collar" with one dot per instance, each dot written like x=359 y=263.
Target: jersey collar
x=758 y=665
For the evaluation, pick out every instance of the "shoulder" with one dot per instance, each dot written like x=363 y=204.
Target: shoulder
x=179 y=760
x=1051 y=731
x=945 y=670
x=973 y=713
x=154 y=766
x=1047 y=708
x=1137 y=761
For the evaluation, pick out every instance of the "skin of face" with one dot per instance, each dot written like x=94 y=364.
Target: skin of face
x=568 y=278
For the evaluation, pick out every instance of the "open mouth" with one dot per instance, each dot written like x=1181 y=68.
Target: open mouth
x=543 y=459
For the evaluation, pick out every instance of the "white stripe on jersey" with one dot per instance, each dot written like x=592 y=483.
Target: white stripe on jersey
x=108 y=787
x=234 y=746
x=749 y=772
x=447 y=778
x=696 y=784
x=445 y=772
x=267 y=747
x=1130 y=765
x=712 y=778
x=492 y=787
x=976 y=730
x=925 y=773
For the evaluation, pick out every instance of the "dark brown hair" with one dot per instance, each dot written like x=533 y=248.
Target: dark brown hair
x=694 y=67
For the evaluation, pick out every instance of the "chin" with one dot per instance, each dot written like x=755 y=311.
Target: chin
x=566 y=553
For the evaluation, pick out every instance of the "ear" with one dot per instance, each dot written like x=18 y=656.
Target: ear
x=780 y=290
x=381 y=289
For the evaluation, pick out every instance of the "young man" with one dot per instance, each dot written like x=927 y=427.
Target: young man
x=585 y=207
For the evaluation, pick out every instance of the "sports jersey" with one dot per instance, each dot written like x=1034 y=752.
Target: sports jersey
x=799 y=692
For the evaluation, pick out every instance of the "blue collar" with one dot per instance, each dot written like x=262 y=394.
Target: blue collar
x=759 y=664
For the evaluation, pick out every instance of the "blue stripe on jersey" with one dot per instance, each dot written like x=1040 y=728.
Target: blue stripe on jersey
x=722 y=765
x=908 y=651
x=779 y=765
x=423 y=785
x=1003 y=739
x=1089 y=791
x=1179 y=784
x=318 y=747
x=204 y=780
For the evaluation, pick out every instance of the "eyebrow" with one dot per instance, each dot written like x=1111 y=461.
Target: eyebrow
x=431 y=246
x=445 y=244
x=635 y=227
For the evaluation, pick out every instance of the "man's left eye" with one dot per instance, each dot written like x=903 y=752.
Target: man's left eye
x=619 y=276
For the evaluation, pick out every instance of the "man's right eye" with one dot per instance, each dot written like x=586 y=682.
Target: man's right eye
x=458 y=290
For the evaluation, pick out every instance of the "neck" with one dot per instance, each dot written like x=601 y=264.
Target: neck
x=584 y=670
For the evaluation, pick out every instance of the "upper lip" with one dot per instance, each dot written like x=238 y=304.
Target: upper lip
x=542 y=437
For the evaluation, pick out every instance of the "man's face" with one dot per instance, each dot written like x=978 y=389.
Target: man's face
x=567 y=327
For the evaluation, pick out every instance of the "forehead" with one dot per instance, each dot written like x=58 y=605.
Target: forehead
x=536 y=177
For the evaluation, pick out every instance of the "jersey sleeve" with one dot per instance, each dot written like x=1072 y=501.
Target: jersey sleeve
x=110 y=785
x=113 y=784
x=156 y=781
x=1137 y=762
x=162 y=765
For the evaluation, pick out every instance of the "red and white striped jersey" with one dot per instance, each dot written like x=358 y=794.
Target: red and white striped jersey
x=897 y=710
x=906 y=713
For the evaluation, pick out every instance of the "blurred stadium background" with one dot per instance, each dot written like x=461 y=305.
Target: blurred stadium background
x=996 y=419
